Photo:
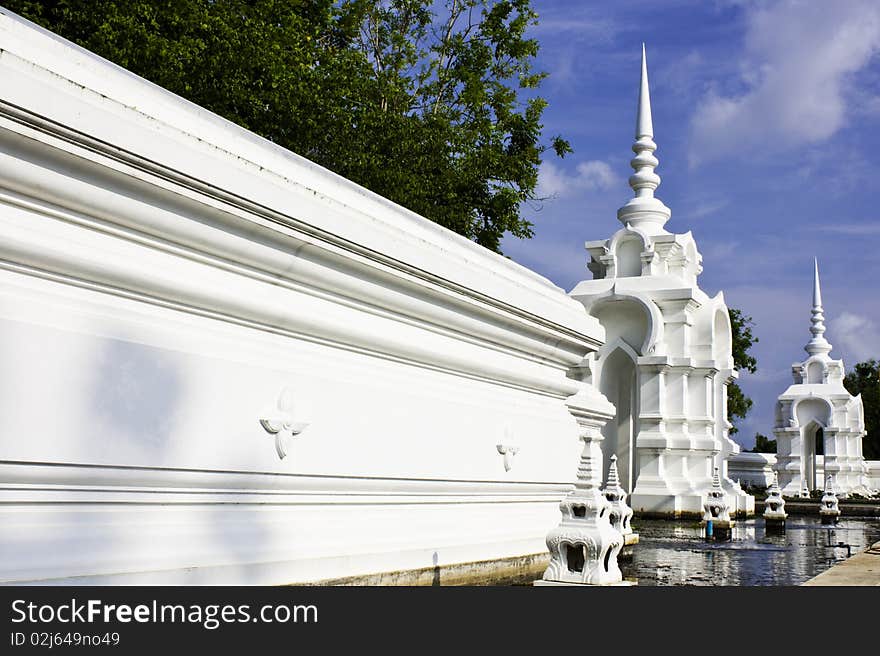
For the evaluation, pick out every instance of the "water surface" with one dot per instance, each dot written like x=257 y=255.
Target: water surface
x=675 y=553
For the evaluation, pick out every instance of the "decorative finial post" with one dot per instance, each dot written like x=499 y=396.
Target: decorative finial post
x=817 y=345
x=644 y=211
x=829 y=510
x=584 y=546
x=620 y=512
x=716 y=512
x=774 y=508
x=805 y=491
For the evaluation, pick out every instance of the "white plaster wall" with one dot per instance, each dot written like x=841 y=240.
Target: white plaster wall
x=757 y=469
x=873 y=474
x=165 y=275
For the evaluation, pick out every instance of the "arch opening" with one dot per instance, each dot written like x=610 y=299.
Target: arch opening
x=618 y=384
x=629 y=258
x=814 y=445
x=722 y=345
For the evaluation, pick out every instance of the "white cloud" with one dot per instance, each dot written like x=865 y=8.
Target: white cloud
x=553 y=181
x=704 y=208
x=797 y=68
x=858 y=335
x=719 y=250
x=863 y=229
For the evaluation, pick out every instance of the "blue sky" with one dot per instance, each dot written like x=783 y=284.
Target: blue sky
x=767 y=115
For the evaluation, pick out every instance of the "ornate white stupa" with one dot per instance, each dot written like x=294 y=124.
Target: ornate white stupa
x=717 y=510
x=585 y=545
x=817 y=416
x=667 y=359
x=620 y=514
x=774 y=507
x=829 y=511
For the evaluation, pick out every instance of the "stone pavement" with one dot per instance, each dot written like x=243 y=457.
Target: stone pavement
x=861 y=569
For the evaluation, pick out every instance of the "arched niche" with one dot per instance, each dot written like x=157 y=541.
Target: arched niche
x=690 y=249
x=815 y=372
x=626 y=320
x=812 y=445
x=855 y=414
x=722 y=344
x=813 y=410
x=629 y=257
x=813 y=416
x=618 y=383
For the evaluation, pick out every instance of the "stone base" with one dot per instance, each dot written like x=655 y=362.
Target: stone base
x=514 y=570
x=624 y=583
x=829 y=518
x=629 y=541
x=721 y=530
x=666 y=505
x=774 y=525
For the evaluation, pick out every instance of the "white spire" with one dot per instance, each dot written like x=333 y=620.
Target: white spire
x=644 y=124
x=818 y=345
x=644 y=211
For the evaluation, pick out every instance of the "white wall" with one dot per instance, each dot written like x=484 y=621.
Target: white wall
x=165 y=276
x=757 y=469
x=873 y=474
x=753 y=469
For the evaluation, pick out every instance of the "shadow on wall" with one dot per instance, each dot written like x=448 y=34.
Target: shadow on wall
x=135 y=393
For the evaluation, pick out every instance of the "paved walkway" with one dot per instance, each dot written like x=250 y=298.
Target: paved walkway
x=861 y=569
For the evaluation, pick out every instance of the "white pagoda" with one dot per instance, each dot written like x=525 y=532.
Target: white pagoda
x=667 y=360
x=818 y=422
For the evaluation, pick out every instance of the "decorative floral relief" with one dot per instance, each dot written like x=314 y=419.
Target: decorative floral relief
x=508 y=452
x=281 y=423
x=508 y=449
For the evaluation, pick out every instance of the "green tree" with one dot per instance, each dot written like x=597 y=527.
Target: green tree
x=864 y=379
x=430 y=104
x=763 y=444
x=738 y=404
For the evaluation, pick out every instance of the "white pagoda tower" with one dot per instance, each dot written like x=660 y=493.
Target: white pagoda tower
x=817 y=416
x=667 y=359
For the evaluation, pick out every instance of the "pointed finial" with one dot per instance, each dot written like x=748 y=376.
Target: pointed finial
x=613 y=480
x=644 y=124
x=644 y=211
x=817 y=345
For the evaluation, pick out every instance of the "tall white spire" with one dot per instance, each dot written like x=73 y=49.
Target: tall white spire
x=644 y=124
x=818 y=345
x=644 y=210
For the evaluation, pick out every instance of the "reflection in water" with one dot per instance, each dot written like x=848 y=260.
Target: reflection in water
x=674 y=553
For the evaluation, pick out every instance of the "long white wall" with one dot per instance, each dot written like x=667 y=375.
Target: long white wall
x=756 y=469
x=166 y=277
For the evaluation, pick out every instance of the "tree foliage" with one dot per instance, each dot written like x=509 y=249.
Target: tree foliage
x=864 y=379
x=763 y=444
x=430 y=104
x=738 y=404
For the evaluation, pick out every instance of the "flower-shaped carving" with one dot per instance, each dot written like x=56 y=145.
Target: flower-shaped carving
x=281 y=423
x=508 y=452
